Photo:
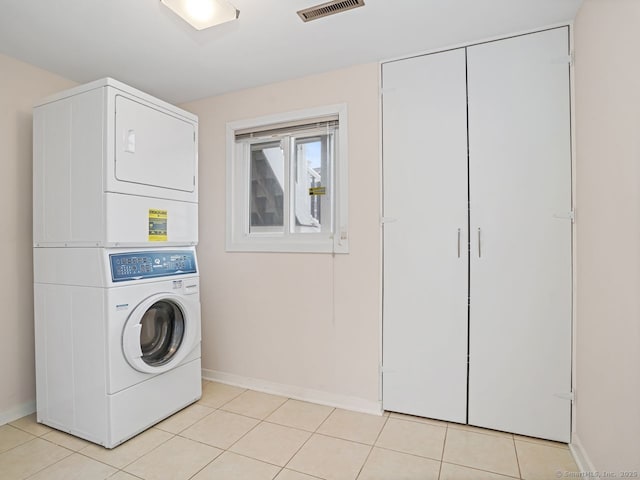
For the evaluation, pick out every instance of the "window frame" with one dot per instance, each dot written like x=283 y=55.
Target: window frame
x=238 y=238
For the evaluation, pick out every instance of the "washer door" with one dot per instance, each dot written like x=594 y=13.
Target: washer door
x=158 y=334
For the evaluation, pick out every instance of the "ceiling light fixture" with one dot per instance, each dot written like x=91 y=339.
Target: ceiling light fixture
x=201 y=14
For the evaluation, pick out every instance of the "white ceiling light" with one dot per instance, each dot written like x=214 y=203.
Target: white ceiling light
x=202 y=14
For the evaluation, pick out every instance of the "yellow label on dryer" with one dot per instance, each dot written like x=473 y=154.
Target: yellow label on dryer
x=157 y=225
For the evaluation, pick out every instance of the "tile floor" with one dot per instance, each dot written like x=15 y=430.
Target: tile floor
x=238 y=434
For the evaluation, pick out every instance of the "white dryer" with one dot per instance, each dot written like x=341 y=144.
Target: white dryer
x=113 y=166
x=117 y=338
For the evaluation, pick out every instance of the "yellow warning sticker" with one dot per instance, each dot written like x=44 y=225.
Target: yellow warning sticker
x=317 y=191
x=157 y=225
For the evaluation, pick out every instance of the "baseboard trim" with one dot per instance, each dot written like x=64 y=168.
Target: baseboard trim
x=581 y=457
x=298 y=393
x=17 y=412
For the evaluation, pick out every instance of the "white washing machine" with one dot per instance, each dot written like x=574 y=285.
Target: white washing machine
x=117 y=338
x=113 y=166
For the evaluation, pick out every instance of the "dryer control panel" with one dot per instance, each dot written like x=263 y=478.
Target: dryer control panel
x=152 y=264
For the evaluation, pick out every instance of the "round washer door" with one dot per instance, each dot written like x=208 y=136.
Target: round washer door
x=158 y=334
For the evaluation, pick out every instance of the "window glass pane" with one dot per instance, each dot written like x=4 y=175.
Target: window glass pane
x=310 y=165
x=267 y=188
x=284 y=181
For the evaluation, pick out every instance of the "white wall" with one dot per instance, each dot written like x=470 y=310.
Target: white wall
x=307 y=325
x=21 y=85
x=607 y=79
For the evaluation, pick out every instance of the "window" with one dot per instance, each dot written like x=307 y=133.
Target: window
x=286 y=182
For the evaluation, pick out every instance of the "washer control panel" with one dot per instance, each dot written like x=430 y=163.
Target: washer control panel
x=152 y=264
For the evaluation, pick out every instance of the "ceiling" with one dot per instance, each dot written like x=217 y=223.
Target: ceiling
x=142 y=43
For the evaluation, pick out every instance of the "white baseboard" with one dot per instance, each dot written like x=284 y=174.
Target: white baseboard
x=581 y=457
x=298 y=393
x=17 y=412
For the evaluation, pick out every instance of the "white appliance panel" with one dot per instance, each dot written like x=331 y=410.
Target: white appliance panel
x=121 y=305
x=85 y=385
x=114 y=167
x=127 y=221
x=87 y=267
x=520 y=183
x=134 y=410
x=425 y=236
x=83 y=172
x=67 y=175
x=153 y=147
x=70 y=348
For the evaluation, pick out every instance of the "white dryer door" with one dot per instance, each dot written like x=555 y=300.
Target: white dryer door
x=154 y=148
x=159 y=334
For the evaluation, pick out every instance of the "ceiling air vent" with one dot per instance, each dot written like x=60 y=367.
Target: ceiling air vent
x=329 y=8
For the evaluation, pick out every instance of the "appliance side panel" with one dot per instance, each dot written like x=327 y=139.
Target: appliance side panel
x=86 y=157
x=70 y=266
x=70 y=370
x=55 y=362
x=51 y=189
x=68 y=171
x=89 y=357
x=40 y=330
x=38 y=174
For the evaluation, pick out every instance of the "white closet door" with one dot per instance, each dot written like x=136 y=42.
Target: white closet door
x=425 y=236
x=520 y=182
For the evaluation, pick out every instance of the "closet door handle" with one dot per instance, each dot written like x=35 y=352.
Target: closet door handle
x=479 y=243
x=458 y=243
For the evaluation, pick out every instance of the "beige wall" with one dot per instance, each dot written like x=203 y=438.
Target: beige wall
x=303 y=324
x=306 y=323
x=607 y=70
x=309 y=323
x=21 y=85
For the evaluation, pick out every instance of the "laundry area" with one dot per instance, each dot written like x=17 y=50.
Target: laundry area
x=116 y=285
x=349 y=240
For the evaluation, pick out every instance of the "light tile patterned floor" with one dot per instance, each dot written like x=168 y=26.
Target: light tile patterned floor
x=238 y=434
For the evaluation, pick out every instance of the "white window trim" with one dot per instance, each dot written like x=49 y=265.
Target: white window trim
x=237 y=239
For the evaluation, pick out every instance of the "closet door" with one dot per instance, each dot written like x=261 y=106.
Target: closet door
x=425 y=236
x=520 y=285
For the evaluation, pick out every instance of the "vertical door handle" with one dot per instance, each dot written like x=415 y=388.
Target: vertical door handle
x=458 y=243
x=479 y=243
x=130 y=141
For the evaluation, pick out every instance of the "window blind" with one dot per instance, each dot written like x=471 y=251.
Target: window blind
x=286 y=128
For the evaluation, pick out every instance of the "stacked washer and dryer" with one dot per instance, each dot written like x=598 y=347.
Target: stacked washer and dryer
x=116 y=284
